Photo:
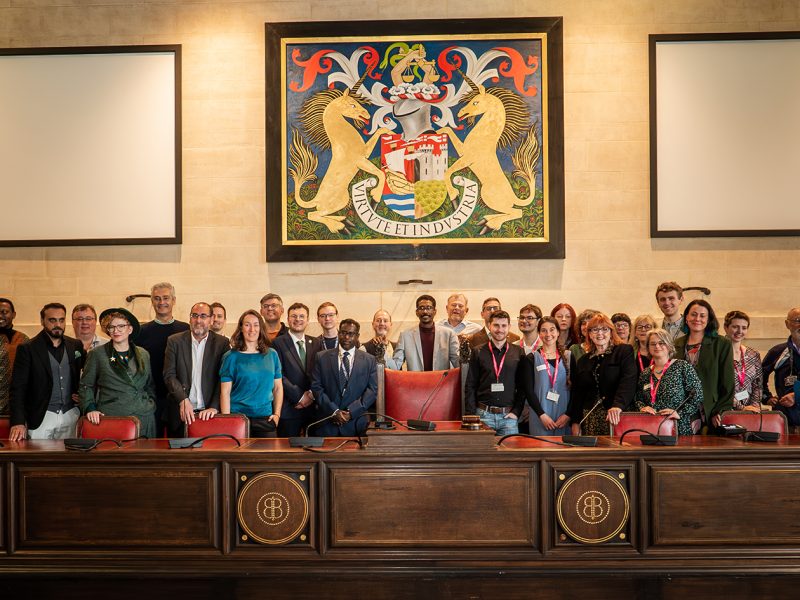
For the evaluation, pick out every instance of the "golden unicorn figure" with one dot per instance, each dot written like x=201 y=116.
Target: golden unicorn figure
x=324 y=119
x=504 y=119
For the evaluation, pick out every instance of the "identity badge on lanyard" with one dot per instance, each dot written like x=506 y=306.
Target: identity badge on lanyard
x=654 y=386
x=740 y=375
x=497 y=386
x=552 y=394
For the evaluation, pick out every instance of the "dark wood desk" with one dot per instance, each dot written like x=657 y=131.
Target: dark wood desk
x=468 y=519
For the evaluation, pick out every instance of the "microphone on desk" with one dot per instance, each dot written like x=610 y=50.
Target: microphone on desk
x=418 y=423
x=761 y=435
x=307 y=441
x=583 y=440
x=655 y=439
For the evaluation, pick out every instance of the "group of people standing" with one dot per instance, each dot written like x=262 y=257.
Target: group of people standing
x=564 y=372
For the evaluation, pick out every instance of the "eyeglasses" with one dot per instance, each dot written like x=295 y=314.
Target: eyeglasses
x=657 y=344
x=795 y=321
x=113 y=328
x=425 y=309
x=491 y=308
x=528 y=318
x=84 y=319
x=326 y=316
x=271 y=306
x=644 y=327
x=599 y=330
x=199 y=316
x=348 y=333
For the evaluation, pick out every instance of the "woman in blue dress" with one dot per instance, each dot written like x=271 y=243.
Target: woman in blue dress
x=551 y=369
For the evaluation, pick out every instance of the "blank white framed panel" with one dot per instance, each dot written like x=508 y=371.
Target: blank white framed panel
x=725 y=134
x=90 y=145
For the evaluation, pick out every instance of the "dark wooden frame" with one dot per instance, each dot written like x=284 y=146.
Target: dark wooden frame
x=143 y=49
x=653 y=40
x=554 y=161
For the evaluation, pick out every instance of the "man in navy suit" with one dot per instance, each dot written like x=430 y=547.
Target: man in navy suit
x=345 y=385
x=294 y=351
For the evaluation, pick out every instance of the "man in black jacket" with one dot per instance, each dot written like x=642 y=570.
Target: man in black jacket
x=499 y=378
x=44 y=383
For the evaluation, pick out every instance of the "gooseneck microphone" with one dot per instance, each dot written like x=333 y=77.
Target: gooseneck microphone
x=307 y=441
x=418 y=423
x=655 y=439
x=761 y=435
x=583 y=440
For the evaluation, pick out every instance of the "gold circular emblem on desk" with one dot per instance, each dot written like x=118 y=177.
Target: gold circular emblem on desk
x=272 y=508
x=592 y=507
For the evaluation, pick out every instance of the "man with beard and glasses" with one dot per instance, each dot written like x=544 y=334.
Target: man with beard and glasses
x=191 y=371
x=44 y=384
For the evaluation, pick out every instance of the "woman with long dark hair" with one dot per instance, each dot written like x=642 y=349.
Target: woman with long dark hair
x=251 y=379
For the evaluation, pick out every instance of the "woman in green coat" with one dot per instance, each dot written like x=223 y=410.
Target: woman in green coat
x=117 y=380
x=711 y=355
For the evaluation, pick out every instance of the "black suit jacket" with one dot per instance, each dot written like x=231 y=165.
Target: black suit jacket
x=358 y=397
x=616 y=383
x=32 y=378
x=296 y=376
x=178 y=371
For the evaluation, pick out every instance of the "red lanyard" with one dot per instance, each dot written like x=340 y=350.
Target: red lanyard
x=641 y=364
x=554 y=376
x=494 y=362
x=740 y=373
x=654 y=385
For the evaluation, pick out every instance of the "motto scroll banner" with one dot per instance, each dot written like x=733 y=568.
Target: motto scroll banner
x=414 y=140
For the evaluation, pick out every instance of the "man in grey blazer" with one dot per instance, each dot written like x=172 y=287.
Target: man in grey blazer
x=427 y=347
x=191 y=371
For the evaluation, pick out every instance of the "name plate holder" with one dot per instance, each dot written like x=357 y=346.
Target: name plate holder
x=448 y=437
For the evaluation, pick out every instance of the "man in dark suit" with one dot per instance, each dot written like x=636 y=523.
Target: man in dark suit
x=345 y=385
x=294 y=351
x=191 y=371
x=44 y=384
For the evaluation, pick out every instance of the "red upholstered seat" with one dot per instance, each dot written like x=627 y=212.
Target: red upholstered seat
x=407 y=391
x=236 y=425
x=773 y=420
x=115 y=428
x=5 y=427
x=640 y=420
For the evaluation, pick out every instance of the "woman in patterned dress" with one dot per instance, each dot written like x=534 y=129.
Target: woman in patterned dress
x=666 y=384
x=748 y=376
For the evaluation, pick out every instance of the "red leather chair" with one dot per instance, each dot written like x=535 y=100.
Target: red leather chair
x=235 y=424
x=115 y=428
x=406 y=392
x=5 y=427
x=640 y=420
x=768 y=420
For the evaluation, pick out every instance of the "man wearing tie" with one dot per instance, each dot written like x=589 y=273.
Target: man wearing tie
x=294 y=351
x=345 y=385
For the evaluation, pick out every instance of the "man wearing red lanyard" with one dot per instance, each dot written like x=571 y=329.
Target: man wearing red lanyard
x=498 y=379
